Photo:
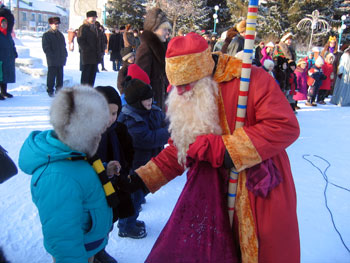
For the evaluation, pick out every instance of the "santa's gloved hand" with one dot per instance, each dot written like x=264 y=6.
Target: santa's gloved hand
x=207 y=148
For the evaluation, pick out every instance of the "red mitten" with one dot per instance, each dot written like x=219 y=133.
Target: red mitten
x=207 y=148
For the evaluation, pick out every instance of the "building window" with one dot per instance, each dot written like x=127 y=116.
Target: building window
x=40 y=18
x=33 y=17
x=24 y=16
x=45 y=18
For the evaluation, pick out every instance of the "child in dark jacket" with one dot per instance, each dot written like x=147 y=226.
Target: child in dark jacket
x=149 y=131
x=317 y=75
x=128 y=57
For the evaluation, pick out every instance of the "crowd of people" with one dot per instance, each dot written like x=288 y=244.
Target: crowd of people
x=182 y=92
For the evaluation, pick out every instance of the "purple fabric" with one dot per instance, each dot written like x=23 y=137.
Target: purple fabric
x=301 y=84
x=198 y=230
x=331 y=49
x=265 y=56
x=262 y=178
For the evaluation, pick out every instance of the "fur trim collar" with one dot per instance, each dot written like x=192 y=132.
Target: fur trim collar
x=227 y=68
x=155 y=45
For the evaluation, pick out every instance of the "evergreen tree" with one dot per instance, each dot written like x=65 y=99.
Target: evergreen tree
x=122 y=12
x=224 y=15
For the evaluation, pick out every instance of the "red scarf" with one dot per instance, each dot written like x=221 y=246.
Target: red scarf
x=3 y=30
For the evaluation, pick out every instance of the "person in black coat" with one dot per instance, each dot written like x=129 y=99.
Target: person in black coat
x=54 y=46
x=116 y=145
x=90 y=49
x=115 y=45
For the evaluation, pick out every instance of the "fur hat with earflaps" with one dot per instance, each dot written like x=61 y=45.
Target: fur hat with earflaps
x=79 y=115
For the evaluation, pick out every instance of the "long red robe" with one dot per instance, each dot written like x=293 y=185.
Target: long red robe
x=270 y=128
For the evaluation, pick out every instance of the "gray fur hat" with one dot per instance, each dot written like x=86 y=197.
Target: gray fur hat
x=154 y=18
x=79 y=115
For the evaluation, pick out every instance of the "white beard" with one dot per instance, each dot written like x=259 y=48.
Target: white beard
x=193 y=113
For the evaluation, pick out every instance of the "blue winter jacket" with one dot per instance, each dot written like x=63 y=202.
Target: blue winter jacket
x=7 y=57
x=73 y=209
x=148 y=129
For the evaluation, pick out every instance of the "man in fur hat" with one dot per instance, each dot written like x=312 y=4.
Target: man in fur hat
x=150 y=55
x=201 y=107
x=89 y=48
x=54 y=46
x=237 y=43
x=284 y=48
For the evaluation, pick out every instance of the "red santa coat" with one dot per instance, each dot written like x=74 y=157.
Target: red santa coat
x=271 y=126
x=327 y=71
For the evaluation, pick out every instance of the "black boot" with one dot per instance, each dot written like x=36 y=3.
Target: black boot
x=4 y=92
x=104 y=257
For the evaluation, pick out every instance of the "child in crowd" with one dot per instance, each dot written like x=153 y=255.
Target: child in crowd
x=116 y=145
x=317 y=75
x=327 y=69
x=268 y=67
x=128 y=57
x=310 y=60
x=149 y=131
x=267 y=52
x=301 y=75
x=292 y=79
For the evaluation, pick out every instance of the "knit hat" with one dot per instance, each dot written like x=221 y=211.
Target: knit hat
x=54 y=20
x=136 y=91
x=154 y=18
x=188 y=59
x=79 y=115
x=241 y=26
x=126 y=53
x=91 y=14
x=111 y=95
x=268 y=63
x=135 y=72
x=319 y=61
x=270 y=44
x=301 y=61
x=286 y=36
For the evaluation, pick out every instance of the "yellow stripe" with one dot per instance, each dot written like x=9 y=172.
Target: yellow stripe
x=109 y=189
x=251 y=17
x=98 y=166
x=250 y=29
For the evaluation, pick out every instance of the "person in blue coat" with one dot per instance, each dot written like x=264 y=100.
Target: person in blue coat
x=73 y=207
x=8 y=55
x=149 y=131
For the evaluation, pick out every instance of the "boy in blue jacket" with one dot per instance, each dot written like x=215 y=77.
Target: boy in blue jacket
x=149 y=131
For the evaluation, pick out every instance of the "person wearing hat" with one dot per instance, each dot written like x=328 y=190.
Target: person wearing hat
x=149 y=131
x=89 y=48
x=8 y=55
x=115 y=45
x=150 y=55
x=201 y=108
x=284 y=48
x=327 y=70
x=237 y=43
x=128 y=56
x=316 y=74
x=65 y=187
x=301 y=74
x=54 y=47
x=116 y=145
x=266 y=52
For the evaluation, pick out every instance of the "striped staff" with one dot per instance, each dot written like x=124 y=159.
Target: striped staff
x=243 y=93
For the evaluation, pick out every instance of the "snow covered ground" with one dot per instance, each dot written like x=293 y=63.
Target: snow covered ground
x=324 y=138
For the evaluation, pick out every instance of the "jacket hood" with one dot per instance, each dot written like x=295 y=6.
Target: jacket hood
x=42 y=148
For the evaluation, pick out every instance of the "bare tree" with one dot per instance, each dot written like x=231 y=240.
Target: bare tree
x=175 y=9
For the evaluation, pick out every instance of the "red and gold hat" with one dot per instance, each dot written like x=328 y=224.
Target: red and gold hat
x=188 y=59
